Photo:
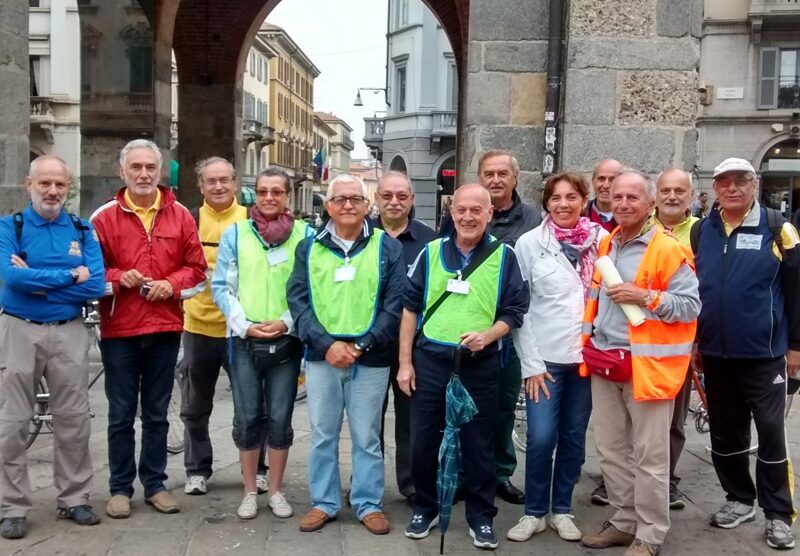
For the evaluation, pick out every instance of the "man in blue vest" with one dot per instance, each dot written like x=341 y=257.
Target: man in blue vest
x=51 y=264
x=475 y=313
x=345 y=296
x=749 y=338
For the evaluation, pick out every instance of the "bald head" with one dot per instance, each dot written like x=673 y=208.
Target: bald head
x=603 y=176
x=473 y=191
x=48 y=185
x=471 y=211
x=673 y=196
x=49 y=160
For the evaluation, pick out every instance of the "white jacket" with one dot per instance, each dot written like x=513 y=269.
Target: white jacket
x=551 y=330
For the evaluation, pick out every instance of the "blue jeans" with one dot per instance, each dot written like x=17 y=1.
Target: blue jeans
x=556 y=424
x=138 y=366
x=360 y=391
x=256 y=386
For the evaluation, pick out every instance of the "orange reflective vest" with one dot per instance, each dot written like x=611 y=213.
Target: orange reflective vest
x=660 y=351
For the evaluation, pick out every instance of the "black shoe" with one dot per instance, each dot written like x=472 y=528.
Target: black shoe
x=677 y=501
x=420 y=526
x=483 y=537
x=13 y=527
x=600 y=496
x=82 y=515
x=510 y=493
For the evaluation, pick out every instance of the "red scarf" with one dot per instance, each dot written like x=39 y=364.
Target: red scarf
x=583 y=237
x=275 y=231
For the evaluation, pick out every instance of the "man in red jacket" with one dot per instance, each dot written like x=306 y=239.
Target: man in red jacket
x=153 y=260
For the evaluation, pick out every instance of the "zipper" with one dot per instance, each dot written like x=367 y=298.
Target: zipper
x=722 y=289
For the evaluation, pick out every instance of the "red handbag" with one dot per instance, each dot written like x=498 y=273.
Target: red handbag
x=612 y=364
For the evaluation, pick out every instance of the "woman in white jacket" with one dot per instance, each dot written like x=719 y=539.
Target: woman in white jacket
x=557 y=259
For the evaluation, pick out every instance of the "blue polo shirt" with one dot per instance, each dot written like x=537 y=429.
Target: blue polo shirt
x=44 y=292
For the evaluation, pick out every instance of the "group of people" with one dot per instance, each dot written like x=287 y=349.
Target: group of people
x=384 y=304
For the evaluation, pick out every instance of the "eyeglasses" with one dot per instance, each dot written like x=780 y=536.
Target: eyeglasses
x=213 y=181
x=274 y=193
x=341 y=200
x=401 y=197
x=738 y=181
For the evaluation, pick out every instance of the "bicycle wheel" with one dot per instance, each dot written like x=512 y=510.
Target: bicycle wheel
x=519 y=436
x=301 y=384
x=40 y=412
x=175 y=438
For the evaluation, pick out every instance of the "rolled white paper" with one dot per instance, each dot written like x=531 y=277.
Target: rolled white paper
x=610 y=276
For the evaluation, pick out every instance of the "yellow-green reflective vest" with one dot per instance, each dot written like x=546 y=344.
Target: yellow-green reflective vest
x=262 y=286
x=460 y=313
x=345 y=308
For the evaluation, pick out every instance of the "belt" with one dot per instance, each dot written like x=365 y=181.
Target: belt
x=40 y=323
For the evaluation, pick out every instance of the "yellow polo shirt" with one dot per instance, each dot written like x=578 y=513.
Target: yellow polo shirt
x=681 y=231
x=146 y=215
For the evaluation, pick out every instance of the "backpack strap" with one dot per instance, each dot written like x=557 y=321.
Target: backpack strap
x=18 y=223
x=694 y=236
x=195 y=212
x=80 y=226
x=775 y=221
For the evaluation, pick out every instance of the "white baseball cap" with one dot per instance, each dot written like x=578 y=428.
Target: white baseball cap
x=733 y=165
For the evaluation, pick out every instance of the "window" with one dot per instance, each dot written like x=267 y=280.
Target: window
x=141 y=70
x=401 y=13
x=779 y=85
x=252 y=64
x=35 y=69
x=452 y=87
x=249 y=105
x=280 y=106
x=259 y=69
x=400 y=88
x=280 y=70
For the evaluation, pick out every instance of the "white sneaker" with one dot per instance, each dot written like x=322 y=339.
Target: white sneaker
x=527 y=527
x=248 y=509
x=261 y=484
x=563 y=524
x=195 y=484
x=279 y=506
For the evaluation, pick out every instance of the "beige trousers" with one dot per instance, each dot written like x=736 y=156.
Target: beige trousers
x=60 y=354
x=632 y=441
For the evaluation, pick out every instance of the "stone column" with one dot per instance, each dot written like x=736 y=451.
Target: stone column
x=14 y=104
x=631 y=83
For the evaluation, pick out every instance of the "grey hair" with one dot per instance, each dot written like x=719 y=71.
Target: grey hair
x=396 y=174
x=345 y=178
x=499 y=152
x=140 y=144
x=34 y=167
x=686 y=175
x=206 y=162
x=649 y=184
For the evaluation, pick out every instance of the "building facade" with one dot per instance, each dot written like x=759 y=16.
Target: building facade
x=418 y=134
x=341 y=144
x=291 y=113
x=257 y=134
x=750 y=94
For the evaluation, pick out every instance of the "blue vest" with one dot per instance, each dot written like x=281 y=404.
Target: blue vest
x=743 y=314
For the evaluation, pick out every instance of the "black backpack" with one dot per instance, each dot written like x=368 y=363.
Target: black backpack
x=19 y=222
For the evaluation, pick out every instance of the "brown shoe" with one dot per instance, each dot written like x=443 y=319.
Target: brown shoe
x=607 y=536
x=376 y=523
x=119 y=507
x=314 y=520
x=164 y=502
x=641 y=548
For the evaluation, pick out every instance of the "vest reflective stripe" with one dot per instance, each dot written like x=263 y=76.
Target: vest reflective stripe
x=660 y=351
x=346 y=308
x=460 y=313
x=262 y=287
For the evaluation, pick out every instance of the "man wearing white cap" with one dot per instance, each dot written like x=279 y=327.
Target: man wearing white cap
x=747 y=263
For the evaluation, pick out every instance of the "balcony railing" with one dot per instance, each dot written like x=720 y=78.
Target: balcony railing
x=41 y=108
x=445 y=123
x=774 y=7
x=789 y=93
x=373 y=130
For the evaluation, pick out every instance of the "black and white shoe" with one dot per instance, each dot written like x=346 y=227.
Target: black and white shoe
x=483 y=537
x=420 y=526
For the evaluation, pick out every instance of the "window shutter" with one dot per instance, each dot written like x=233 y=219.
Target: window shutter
x=768 y=78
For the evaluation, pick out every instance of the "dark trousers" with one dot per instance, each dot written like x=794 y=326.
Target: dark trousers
x=739 y=390
x=479 y=377
x=677 y=435
x=203 y=356
x=138 y=367
x=510 y=379
x=402 y=430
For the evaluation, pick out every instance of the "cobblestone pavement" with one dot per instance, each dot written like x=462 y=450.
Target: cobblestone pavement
x=207 y=525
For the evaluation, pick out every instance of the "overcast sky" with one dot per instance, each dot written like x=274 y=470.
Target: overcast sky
x=346 y=40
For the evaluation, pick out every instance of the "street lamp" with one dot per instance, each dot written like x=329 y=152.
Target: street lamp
x=375 y=90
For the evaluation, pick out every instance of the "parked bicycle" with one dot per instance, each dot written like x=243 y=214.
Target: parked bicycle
x=43 y=419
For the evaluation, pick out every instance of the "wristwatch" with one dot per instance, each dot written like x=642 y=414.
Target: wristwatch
x=75 y=275
x=360 y=347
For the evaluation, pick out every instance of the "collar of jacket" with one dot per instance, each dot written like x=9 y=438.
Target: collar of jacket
x=514 y=213
x=167 y=198
x=325 y=238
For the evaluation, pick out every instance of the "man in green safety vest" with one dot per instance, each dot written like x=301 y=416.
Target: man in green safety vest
x=465 y=291
x=345 y=295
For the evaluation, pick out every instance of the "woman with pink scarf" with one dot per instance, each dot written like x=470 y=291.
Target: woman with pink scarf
x=557 y=259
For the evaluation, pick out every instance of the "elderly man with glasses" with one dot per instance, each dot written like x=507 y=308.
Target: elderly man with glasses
x=749 y=338
x=345 y=296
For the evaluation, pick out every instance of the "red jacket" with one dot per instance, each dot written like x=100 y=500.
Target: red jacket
x=171 y=252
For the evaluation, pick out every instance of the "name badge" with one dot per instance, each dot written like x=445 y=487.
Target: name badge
x=748 y=241
x=277 y=256
x=344 y=274
x=460 y=287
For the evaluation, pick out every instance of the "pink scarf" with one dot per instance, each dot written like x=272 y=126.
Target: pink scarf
x=583 y=237
x=275 y=231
